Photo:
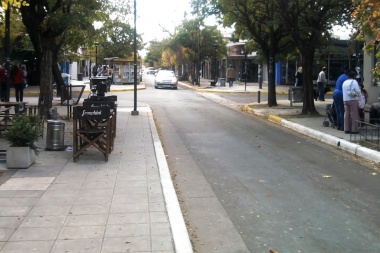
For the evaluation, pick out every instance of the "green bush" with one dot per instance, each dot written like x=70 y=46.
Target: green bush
x=24 y=131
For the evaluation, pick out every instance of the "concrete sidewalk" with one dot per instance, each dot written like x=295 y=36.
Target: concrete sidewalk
x=127 y=204
x=287 y=115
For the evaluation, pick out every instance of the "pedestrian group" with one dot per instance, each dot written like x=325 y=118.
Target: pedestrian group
x=18 y=79
x=350 y=98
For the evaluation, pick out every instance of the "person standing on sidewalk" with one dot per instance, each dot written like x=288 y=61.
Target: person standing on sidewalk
x=362 y=103
x=18 y=82
x=338 y=99
x=230 y=76
x=299 y=77
x=351 y=104
x=321 y=82
x=3 y=82
x=23 y=67
x=94 y=70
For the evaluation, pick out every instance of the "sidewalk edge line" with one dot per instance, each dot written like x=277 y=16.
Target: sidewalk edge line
x=180 y=234
x=348 y=146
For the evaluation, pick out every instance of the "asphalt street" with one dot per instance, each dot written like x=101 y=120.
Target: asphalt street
x=247 y=185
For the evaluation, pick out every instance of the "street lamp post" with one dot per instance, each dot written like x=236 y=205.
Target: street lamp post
x=197 y=71
x=84 y=55
x=198 y=64
x=96 y=53
x=245 y=68
x=135 y=112
x=214 y=76
x=7 y=53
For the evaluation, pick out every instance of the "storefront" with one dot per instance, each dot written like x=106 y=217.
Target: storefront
x=244 y=64
x=123 y=71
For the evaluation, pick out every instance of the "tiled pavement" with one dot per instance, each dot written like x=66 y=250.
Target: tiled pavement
x=91 y=205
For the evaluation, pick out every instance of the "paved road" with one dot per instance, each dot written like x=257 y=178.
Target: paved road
x=247 y=185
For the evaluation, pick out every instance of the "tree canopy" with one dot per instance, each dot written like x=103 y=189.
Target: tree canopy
x=58 y=28
x=256 y=21
x=277 y=26
x=308 y=23
x=18 y=38
x=193 y=42
x=367 y=18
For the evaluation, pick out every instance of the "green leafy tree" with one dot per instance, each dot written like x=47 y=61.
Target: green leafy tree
x=116 y=38
x=47 y=23
x=18 y=37
x=257 y=21
x=168 y=58
x=278 y=25
x=198 y=42
x=309 y=22
x=178 y=54
x=155 y=49
x=367 y=18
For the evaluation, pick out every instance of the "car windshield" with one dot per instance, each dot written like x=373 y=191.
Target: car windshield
x=165 y=74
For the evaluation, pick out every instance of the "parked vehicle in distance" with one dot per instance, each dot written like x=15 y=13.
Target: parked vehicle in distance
x=150 y=71
x=166 y=79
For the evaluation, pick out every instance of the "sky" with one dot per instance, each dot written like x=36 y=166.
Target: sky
x=154 y=16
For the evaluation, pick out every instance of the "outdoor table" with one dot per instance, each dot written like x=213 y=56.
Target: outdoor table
x=5 y=115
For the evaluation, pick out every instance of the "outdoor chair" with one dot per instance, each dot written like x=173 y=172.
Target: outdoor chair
x=92 y=127
x=113 y=109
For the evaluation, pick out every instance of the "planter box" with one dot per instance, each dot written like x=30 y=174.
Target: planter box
x=20 y=157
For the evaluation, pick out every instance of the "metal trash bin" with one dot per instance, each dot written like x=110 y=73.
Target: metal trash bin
x=55 y=135
x=295 y=95
x=80 y=77
x=222 y=82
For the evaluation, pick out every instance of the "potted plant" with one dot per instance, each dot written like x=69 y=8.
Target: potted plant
x=22 y=134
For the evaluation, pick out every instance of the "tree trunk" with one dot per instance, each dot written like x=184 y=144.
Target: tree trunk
x=308 y=107
x=44 y=44
x=57 y=75
x=271 y=82
x=46 y=89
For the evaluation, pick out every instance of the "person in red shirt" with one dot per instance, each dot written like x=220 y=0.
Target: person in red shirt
x=3 y=82
x=18 y=79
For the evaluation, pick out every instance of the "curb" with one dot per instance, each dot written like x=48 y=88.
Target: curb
x=179 y=231
x=356 y=149
x=215 y=89
x=275 y=119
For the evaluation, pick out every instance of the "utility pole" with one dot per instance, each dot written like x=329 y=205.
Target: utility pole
x=135 y=112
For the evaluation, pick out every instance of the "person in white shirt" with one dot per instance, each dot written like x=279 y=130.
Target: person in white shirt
x=23 y=67
x=351 y=103
x=321 y=82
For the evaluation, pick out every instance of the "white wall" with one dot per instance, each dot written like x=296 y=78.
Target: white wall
x=373 y=91
x=74 y=70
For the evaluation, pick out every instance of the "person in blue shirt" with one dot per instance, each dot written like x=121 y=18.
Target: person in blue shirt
x=338 y=99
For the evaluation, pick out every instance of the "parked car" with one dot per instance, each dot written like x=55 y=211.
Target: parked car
x=150 y=71
x=166 y=79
